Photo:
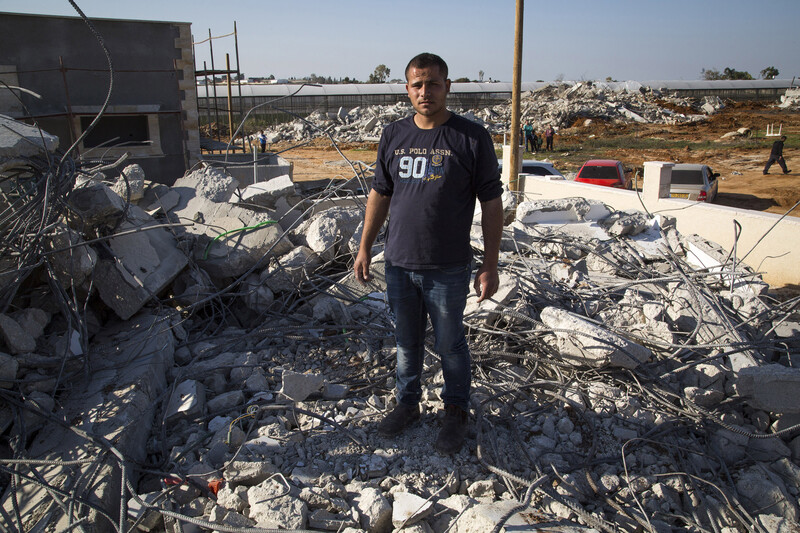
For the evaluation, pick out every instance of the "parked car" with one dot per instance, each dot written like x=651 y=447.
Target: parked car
x=537 y=168
x=605 y=172
x=694 y=182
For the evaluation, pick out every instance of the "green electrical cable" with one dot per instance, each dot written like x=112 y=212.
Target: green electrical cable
x=221 y=235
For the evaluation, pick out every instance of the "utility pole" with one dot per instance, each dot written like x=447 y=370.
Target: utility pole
x=513 y=176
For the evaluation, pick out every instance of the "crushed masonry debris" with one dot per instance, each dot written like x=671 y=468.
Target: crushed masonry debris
x=204 y=351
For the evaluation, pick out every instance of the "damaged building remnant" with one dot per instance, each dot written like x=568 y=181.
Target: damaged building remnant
x=209 y=360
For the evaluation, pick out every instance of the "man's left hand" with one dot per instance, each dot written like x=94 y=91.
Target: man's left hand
x=487 y=282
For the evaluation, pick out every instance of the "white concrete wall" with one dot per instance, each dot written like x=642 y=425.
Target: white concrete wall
x=777 y=256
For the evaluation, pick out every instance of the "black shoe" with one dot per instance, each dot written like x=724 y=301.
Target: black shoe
x=787 y=172
x=454 y=430
x=765 y=173
x=395 y=422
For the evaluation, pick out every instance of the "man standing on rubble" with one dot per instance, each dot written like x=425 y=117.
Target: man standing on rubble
x=431 y=167
x=776 y=155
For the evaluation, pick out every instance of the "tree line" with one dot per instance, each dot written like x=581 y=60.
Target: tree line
x=729 y=73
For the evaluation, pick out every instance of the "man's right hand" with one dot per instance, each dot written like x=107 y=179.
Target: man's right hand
x=361 y=267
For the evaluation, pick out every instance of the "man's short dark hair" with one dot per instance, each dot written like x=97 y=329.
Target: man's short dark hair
x=783 y=137
x=427 y=60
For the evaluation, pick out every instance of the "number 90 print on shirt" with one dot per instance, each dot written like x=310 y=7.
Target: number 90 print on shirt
x=420 y=168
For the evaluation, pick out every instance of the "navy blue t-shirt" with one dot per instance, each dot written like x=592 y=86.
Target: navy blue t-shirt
x=433 y=177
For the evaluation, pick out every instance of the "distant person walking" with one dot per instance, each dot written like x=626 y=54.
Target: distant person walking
x=549 y=133
x=776 y=155
x=262 y=140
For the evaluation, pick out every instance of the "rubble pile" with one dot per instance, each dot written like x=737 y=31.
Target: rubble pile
x=212 y=341
x=559 y=105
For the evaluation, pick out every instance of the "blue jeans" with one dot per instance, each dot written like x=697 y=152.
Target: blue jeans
x=440 y=293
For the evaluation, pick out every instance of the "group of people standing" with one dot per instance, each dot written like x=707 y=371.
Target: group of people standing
x=533 y=143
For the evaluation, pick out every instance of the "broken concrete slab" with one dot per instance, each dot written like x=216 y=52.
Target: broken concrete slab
x=408 y=509
x=117 y=404
x=489 y=310
x=16 y=339
x=143 y=265
x=234 y=247
x=297 y=387
x=560 y=211
x=74 y=263
x=267 y=193
x=772 y=388
x=582 y=342
x=286 y=272
x=209 y=182
x=187 y=401
x=18 y=140
x=95 y=204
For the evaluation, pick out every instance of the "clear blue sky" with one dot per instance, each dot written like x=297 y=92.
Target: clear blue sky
x=573 y=39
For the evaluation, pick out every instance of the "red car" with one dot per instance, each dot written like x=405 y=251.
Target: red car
x=606 y=172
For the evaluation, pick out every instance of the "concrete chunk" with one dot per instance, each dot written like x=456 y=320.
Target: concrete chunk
x=270 y=507
x=772 y=388
x=187 y=401
x=18 y=139
x=96 y=204
x=267 y=193
x=8 y=370
x=409 y=509
x=144 y=264
x=130 y=182
x=15 y=337
x=208 y=182
x=582 y=342
x=297 y=387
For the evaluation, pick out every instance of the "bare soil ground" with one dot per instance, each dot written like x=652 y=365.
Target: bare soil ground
x=739 y=160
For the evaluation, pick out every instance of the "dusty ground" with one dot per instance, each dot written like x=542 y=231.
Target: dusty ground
x=740 y=160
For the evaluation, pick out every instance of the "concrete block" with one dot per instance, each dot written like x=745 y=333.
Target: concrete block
x=325 y=520
x=75 y=264
x=271 y=508
x=143 y=264
x=374 y=509
x=625 y=223
x=762 y=494
x=297 y=387
x=584 y=343
x=96 y=204
x=16 y=339
x=248 y=473
x=335 y=391
x=18 y=139
x=560 y=211
x=152 y=520
x=33 y=321
x=8 y=370
x=117 y=403
x=207 y=182
x=131 y=182
x=290 y=269
x=409 y=509
x=488 y=309
x=327 y=230
x=484 y=517
x=771 y=388
x=266 y=193
x=233 y=250
x=257 y=296
x=187 y=401
x=225 y=401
